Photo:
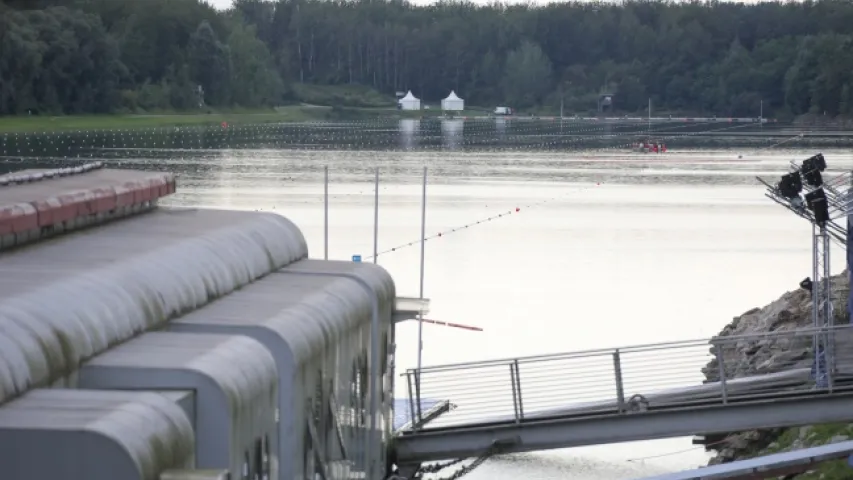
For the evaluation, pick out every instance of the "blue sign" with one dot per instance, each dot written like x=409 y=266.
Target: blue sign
x=356 y=258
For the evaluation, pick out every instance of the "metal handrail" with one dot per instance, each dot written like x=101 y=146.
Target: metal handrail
x=642 y=347
x=629 y=379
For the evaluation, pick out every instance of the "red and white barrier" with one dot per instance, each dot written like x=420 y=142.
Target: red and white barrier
x=42 y=201
x=451 y=324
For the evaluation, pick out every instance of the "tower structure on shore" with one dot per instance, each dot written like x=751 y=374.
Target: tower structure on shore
x=804 y=192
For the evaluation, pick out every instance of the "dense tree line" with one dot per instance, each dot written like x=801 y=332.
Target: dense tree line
x=717 y=58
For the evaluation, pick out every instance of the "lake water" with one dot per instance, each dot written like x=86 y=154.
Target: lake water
x=607 y=249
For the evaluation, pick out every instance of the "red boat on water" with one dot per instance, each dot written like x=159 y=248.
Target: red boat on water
x=648 y=146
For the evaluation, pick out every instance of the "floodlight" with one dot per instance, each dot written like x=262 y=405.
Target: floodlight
x=816 y=201
x=791 y=185
x=819 y=162
x=811 y=169
x=814 y=178
x=787 y=194
x=815 y=162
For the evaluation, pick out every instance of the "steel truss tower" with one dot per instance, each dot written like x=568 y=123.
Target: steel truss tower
x=826 y=202
x=822 y=315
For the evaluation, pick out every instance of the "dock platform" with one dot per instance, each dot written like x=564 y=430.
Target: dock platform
x=38 y=203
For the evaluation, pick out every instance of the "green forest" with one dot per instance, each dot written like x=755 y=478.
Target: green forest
x=720 y=58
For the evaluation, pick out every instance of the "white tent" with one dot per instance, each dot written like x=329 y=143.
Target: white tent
x=409 y=102
x=452 y=102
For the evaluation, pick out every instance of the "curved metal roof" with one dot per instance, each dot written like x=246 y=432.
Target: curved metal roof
x=241 y=366
x=374 y=275
x=155 y=432
x=307 y=311
x=67 y=300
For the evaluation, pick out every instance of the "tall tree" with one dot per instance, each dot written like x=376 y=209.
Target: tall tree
x=255 y=81
x=527 y=76
x=694 y=57
x=210 y=64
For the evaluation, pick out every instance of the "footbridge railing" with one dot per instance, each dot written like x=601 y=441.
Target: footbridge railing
x=634 y=379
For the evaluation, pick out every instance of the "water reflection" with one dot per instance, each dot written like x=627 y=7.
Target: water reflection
x=610 y=236
x=500 y=127
x=452 y=132
x=409 y=129
x=473 y=134
x=493 y=149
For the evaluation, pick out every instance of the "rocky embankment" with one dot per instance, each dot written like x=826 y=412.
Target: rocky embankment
x=791 y=311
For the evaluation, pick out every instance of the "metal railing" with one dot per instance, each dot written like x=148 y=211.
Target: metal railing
x=631 y=379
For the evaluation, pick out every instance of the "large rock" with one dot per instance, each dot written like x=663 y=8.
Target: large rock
x=791 y=311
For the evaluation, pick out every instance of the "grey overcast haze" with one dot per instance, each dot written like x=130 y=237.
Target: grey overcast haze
x=220 y=4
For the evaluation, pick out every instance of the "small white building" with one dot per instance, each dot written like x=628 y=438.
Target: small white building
x=409 y=102
x=453 y=103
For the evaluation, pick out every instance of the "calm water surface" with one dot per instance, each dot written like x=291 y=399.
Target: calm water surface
x=622 y=251
x=607 y=249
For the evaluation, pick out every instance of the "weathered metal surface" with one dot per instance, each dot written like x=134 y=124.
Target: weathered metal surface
x=234 y=377
x=33 y=205
x=317 y=325
x=96 y=435
x=65 y=301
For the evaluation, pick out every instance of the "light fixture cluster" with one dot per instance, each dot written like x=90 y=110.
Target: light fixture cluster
x=809 y=173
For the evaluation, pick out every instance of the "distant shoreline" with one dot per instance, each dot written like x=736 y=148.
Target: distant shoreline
x=34 y=124
x=49 y=123
x=288 y=114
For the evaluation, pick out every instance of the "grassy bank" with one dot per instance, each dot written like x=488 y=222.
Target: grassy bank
x=812 y=436
x=314 y=102
x=41 y=123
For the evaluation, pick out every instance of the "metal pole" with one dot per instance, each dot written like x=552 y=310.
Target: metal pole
x=326 y=213
x=650 y=116
x=819 y=283
x=620 y=391
x=721 y=369
x=412 y=418
x=514 y=395
x=815 y=294
x=816 y=271
x=518 y=387
x=376 y=219
x=828 y=315
x=423 y=246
